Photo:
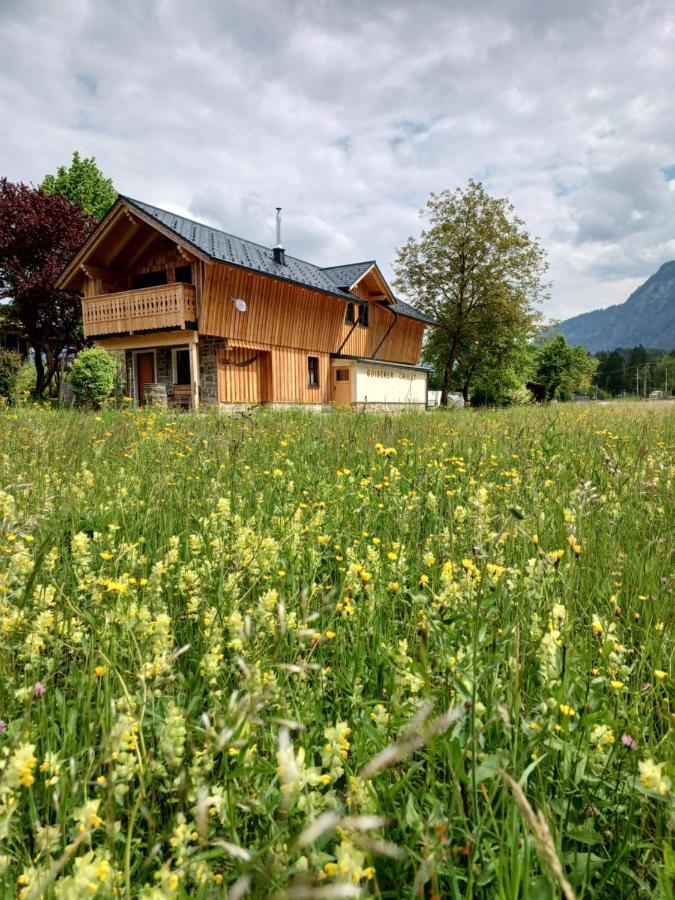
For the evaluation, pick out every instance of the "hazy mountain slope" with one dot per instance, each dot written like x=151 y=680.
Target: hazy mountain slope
x=647 y=318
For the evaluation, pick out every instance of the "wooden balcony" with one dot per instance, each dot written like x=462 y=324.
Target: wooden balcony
x=168 y=306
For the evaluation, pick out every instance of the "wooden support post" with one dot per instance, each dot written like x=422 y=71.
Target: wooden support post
x=194 y=374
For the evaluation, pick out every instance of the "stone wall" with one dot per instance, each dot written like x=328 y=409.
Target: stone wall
x=208 y=348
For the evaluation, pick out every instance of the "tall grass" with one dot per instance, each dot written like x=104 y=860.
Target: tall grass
x=337 y=655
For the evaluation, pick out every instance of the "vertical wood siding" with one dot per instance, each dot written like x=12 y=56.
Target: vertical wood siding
x=287 y=368
x=285 y=315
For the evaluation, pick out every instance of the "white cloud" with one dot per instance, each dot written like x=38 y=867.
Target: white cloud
x=348 y=115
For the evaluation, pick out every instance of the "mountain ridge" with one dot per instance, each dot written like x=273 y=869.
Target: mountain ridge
x=647 y=317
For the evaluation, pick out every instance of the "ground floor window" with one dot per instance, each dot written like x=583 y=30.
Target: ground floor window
x=313 y=371
x=342 y=374
x=181 y=366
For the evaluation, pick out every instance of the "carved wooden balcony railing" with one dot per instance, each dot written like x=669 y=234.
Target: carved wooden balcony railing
x=168 y=306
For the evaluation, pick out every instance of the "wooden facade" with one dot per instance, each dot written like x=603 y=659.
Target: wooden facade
x=138 y=280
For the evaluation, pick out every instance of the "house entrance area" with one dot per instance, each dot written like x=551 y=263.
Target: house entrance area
x=342 y=386
x=162 y=375
x=145 y=373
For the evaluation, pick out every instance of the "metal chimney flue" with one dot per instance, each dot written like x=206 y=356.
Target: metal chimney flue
x=279 y=252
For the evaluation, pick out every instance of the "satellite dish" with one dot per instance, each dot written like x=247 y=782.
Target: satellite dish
x=240 y=305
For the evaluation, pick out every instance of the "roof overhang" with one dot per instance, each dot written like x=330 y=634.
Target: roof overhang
x=120 y=210
x=390 y=363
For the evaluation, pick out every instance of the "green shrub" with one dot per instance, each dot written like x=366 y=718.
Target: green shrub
x=93 y=376
x=485 y=396
x=10 y=363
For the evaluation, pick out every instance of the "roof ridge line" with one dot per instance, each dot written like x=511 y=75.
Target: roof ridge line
x=220 y=231
x=364 y=262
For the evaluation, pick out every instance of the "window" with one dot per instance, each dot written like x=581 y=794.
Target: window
x=351 y=314
x=181 y=367
x=149 y=279
x=184 y=274
x=342 y=374
x=313 y=371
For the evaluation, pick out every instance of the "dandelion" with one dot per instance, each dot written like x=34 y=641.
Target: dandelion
x=660 y=674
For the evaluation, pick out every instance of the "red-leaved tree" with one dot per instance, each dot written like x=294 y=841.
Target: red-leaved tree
x=39 y=235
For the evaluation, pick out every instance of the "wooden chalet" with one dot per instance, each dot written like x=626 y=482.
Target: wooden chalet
x=221 y=320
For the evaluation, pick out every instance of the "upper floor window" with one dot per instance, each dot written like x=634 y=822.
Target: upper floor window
x=149 y=279
x=356 y=312
x=184 y=274
x=313 y=371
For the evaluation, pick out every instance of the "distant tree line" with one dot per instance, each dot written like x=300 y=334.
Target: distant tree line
x=635 y=371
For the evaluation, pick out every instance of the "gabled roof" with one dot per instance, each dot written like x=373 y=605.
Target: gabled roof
x=224 y=247
x=347 y=276
x=212 y=244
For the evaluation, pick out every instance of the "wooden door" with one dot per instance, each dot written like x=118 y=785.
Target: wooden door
x=342 y=387
x=145 y=373
x=265 y=377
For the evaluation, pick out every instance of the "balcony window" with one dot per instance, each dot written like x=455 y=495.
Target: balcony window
x=149 y=279
x=184 y=274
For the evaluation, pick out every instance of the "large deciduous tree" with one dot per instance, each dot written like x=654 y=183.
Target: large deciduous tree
x=39 y=235
x=562 y=369
x=84 y=183
x=478 y=272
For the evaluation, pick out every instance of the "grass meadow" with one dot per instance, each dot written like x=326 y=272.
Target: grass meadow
x=337 y=655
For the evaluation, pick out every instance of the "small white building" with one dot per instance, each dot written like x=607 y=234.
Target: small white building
x=368 y=384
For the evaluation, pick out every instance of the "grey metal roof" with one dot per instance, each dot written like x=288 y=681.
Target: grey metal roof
x=345 y=276
x=224 y=247
x=239 y=252
x=405 y=309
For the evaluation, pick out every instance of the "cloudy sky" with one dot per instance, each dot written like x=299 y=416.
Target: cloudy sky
x=348 y=113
